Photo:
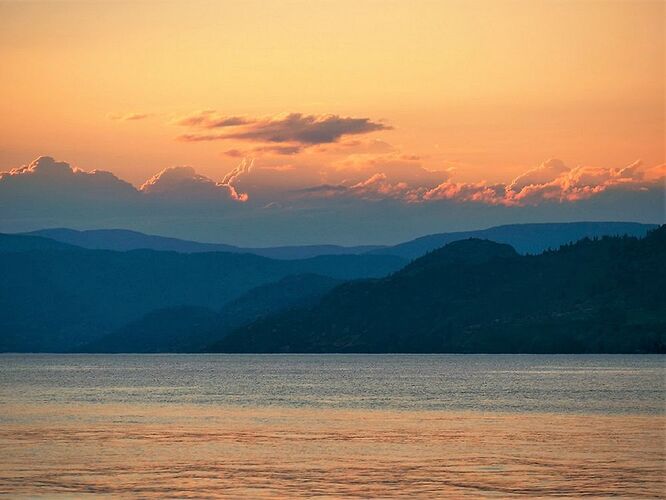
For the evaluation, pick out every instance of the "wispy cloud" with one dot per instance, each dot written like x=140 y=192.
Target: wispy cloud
x=262 y=150
x=210 y=120
x=129 y=116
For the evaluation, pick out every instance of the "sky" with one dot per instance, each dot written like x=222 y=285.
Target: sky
x=349 y=122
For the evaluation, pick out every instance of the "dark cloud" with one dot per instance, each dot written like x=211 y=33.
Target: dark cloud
x=295 y=128
x=235 y=153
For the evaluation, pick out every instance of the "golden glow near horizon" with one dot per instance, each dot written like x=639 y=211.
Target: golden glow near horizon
x=491 y=88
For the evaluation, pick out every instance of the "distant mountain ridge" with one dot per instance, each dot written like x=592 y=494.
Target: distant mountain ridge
x=24 y=243
x=479 y=296
x=57 y=297
x=124 y=240
x=525 y=238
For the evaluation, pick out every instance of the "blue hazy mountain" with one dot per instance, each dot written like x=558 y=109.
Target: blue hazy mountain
x=191 y=329
x=474 y=295
x=124 y=240
x=524 y=238
x=55 y=296
x=58 y=299
x=21 y=243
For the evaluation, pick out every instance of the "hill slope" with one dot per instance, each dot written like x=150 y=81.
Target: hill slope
x=480 y=296
x=191 y=329
x=55 y=300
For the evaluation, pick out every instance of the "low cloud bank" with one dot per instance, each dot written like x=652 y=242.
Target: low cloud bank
x=370 y=199
x=551 y=181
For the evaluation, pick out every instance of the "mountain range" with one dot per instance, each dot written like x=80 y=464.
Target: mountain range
x=58 y=296
x=524 y=238
x=124 y=240
x=58 y=299
x=483 y=297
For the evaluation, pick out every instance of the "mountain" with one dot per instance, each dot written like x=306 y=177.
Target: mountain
x=124 y=240
x=307 y=251
x=296 y=290
x=21 y=243
x=525 y=238
x=191 y=329
x=479 y=296
x=56 y=300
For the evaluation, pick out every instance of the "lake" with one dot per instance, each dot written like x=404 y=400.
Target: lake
x=407 y=426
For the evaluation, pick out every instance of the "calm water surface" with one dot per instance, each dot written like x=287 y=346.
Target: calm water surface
x=332 y=426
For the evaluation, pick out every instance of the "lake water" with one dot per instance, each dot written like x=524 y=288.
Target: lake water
x=332 y=426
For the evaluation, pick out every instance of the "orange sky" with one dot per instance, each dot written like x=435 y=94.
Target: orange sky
x=491 y=88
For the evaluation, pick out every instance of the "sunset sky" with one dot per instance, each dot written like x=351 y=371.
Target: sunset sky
x=340 y=122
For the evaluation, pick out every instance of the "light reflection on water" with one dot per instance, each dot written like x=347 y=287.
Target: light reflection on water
x=289 y=426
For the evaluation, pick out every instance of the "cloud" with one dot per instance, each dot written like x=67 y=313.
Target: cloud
x=272 y=176
x=183 y=183
x=345 y=148
x=379 y=187
x=546 y=172
x=46 y=176
x=357 y=146
x=657 y=173
x=130 y=116
x=578 y=183
x=235 y=153
x=46 y=182
x=396 y=167
x=210 y=120
x=368 y=177
x=374 y=198
x=494 y=194
x=243 y=169
x=551 y=182
x=376 y=187
x=261 y=150
x=293 y=128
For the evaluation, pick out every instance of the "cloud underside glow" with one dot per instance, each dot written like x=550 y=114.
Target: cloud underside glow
x=373 y=178
x=385 y=200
